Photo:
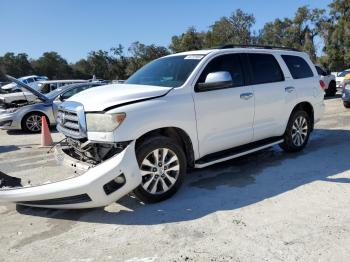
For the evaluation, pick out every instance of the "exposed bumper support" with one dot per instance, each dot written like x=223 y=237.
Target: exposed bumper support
x=95 y=188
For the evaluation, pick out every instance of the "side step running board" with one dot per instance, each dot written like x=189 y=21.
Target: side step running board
x=235 y=152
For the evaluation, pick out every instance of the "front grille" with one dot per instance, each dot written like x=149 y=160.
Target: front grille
x=71 y=120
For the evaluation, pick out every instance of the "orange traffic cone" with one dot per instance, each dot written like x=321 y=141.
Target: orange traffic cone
x=46 y=139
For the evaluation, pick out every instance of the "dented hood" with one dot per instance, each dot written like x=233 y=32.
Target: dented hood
x=109 y=96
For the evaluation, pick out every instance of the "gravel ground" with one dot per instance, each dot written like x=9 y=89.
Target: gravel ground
x=268 y=206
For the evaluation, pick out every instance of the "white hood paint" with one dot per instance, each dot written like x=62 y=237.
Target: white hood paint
x=9 y=86
x=8 y=98
x=98 y=99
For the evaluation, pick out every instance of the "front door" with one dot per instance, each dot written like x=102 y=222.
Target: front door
x=224 y=116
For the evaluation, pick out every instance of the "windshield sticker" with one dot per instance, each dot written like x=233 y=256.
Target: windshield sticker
x=194 y=57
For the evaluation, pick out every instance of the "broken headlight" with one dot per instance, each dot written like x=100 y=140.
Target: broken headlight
x=103 y=122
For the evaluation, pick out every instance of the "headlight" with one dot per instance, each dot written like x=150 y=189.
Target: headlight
x=103 y=122
x=347 y=87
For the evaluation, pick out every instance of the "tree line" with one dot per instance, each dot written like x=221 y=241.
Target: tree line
x=308 y=30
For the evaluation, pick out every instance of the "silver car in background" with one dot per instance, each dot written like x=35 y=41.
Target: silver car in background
x=27 y=115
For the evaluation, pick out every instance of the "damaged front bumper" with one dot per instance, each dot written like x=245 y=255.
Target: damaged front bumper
x=98 y=186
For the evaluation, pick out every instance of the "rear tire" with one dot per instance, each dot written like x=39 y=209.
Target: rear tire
x=346 y=104
x=163 y=167
x=332 y=89
x=297 y=132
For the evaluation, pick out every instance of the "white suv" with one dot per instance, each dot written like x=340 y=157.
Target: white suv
x=191 y=109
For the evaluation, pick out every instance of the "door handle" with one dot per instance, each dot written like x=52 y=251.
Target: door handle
x=246 y=96
x=289 y=89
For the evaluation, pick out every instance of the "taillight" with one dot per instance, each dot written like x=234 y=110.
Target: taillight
x=322 y=85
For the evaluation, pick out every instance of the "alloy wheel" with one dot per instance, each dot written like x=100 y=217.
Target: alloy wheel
x=159 y=170
x=33 y=123
x=299 y=131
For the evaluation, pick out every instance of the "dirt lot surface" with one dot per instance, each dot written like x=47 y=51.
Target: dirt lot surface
x=268 y=206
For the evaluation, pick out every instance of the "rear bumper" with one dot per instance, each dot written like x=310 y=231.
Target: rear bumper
x=319 y=111
x=96 y=187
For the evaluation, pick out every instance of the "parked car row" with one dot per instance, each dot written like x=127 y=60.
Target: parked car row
x=331 y=82
x=44 y=87
x=31 y=81
x=340 y=77
x=343 y=83
x=27 y=114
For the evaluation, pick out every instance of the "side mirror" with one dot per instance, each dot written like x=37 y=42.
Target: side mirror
x=61 y=98
x=216 y=80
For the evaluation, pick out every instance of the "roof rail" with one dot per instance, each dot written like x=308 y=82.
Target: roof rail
x=259 y=46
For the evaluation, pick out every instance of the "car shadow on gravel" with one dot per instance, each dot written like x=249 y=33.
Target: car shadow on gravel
x=228 y=186
x=6 y=149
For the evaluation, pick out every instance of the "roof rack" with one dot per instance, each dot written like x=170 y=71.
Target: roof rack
x=260 y=47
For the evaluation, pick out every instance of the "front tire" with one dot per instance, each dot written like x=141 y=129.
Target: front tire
x=297 y=132
x=163 y=166
x=31 y=123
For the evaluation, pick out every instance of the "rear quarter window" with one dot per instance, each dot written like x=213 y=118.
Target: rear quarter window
x=319 y=70
x=265 y=69
x=297 y=66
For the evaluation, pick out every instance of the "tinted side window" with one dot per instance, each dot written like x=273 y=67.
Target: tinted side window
x=297 y=66
x=265 y=69
x=229 y=63
x=319 y=70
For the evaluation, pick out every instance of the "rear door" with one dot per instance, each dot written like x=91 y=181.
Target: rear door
x=224 y=116
x=305 y=79
x=271 y=94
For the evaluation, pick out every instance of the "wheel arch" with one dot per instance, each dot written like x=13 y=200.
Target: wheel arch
x=308 y=108
x=178 y=134
x=38 y=112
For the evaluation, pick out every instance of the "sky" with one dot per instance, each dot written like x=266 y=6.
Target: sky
x=73 y=28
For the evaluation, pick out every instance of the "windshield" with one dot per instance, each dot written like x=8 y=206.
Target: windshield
x=170 y=71
x=344 y=73
x=53 y=94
